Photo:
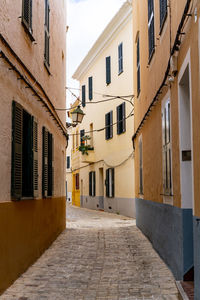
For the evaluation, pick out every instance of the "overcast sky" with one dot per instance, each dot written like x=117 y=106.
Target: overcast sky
x=86 y=20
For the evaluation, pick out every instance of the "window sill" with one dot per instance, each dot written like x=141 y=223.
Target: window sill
x=28 y=31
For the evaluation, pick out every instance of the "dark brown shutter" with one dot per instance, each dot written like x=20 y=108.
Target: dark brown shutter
x=111 y=124
x=44 y=162
x=52 y=139
x=113 y=182
x=118 y=120
x=35 y=158
x=27 y=14
x=17 y=139
x=90 y=183
x=123 y=117
x=94 y=184
x=47 y=33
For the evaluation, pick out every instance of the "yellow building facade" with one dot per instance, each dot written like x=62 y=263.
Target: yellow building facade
x=105 y=174
x=33 y=136
x=166 y=139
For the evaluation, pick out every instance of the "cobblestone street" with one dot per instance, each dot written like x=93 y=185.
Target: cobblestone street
x=98 y=256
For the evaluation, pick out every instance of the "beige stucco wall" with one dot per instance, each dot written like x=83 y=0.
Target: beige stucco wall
x=28 y=227
x=151 y=79
x=113 y=152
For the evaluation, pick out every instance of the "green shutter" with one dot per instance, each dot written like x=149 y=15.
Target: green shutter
x=17 y=139
x=35 y=158
x=90 y=83
x=44 y=162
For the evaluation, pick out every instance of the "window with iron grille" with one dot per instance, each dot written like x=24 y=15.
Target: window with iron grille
x=120 y=58
x=141 y=191
x=121 y=118
x=27 y=15
x=166 y=133
x=108 y=70
x=90 y=84
x=24 y=179
x=83 y=95
x=47 y=163
x=163 y=12
x=110 y=183
x=138 y=65
x=151 y=32
x=109 y=125
x=47 y=35
x=92 y=184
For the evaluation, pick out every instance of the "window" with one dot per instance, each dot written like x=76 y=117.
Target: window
x=91 y=135
x=47 y=163
x=68 y=162
x=120 y=58
x=47 y=34
x=24 y=179
x=92 y=184
x=110 y=189
x=151 y=27
x=108 y=70
x=121 y=118
x=138 y=65
x=109 y=125
x=140 y=166
x=167 y=177
x=90 y=83
x=77 y=181
x=82 y=134
x=27 y=16
x=163 y=12
x=83 y=95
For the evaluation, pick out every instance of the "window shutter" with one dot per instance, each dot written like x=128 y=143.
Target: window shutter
x=141 y=167
x=106 y=127
x=120 y=58
x=35 y=158
x=108 y=70
x=50 y=164
x=47 y=33
x=138 y=66
x=151 y=26
x=83 y=95
x=90 y=183
x=68 y=162
x=107 y=183
x=45 y=162
x=118 y=120
x=113 y=182
x=163 y=11
x=90 y=83
x=94 y=184
x=111 y=124
x=17 y=138
x=27 y=14
x=123 y=117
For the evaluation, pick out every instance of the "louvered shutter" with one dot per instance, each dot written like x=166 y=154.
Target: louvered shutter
x=120 y=58
x=151 y=27
x=94 y=184
x=138 y=65
x=17 y=139
x=113 y=182
x=53 y=176
x=106 y=127
x=123 y=117
x=111 y=124
x=45 y=162
x=90 y=83
x=83 y=95
x=163 y=11
x=27 y=14
x=107 y=183
x=90 y=183
x=141 y=167
x=118 y=120
x=35 y=158
x=50 y=164
x=47 y=33
x=108 y=70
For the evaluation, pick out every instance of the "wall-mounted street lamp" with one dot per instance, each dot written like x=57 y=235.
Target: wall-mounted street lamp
x=77 y=115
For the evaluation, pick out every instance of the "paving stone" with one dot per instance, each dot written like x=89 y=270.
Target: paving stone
x=98 y=256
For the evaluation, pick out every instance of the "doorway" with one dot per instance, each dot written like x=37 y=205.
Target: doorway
x=101 y=189
x=186 y=172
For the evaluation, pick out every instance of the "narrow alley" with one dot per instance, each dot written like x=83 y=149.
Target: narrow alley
x=98 y=256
